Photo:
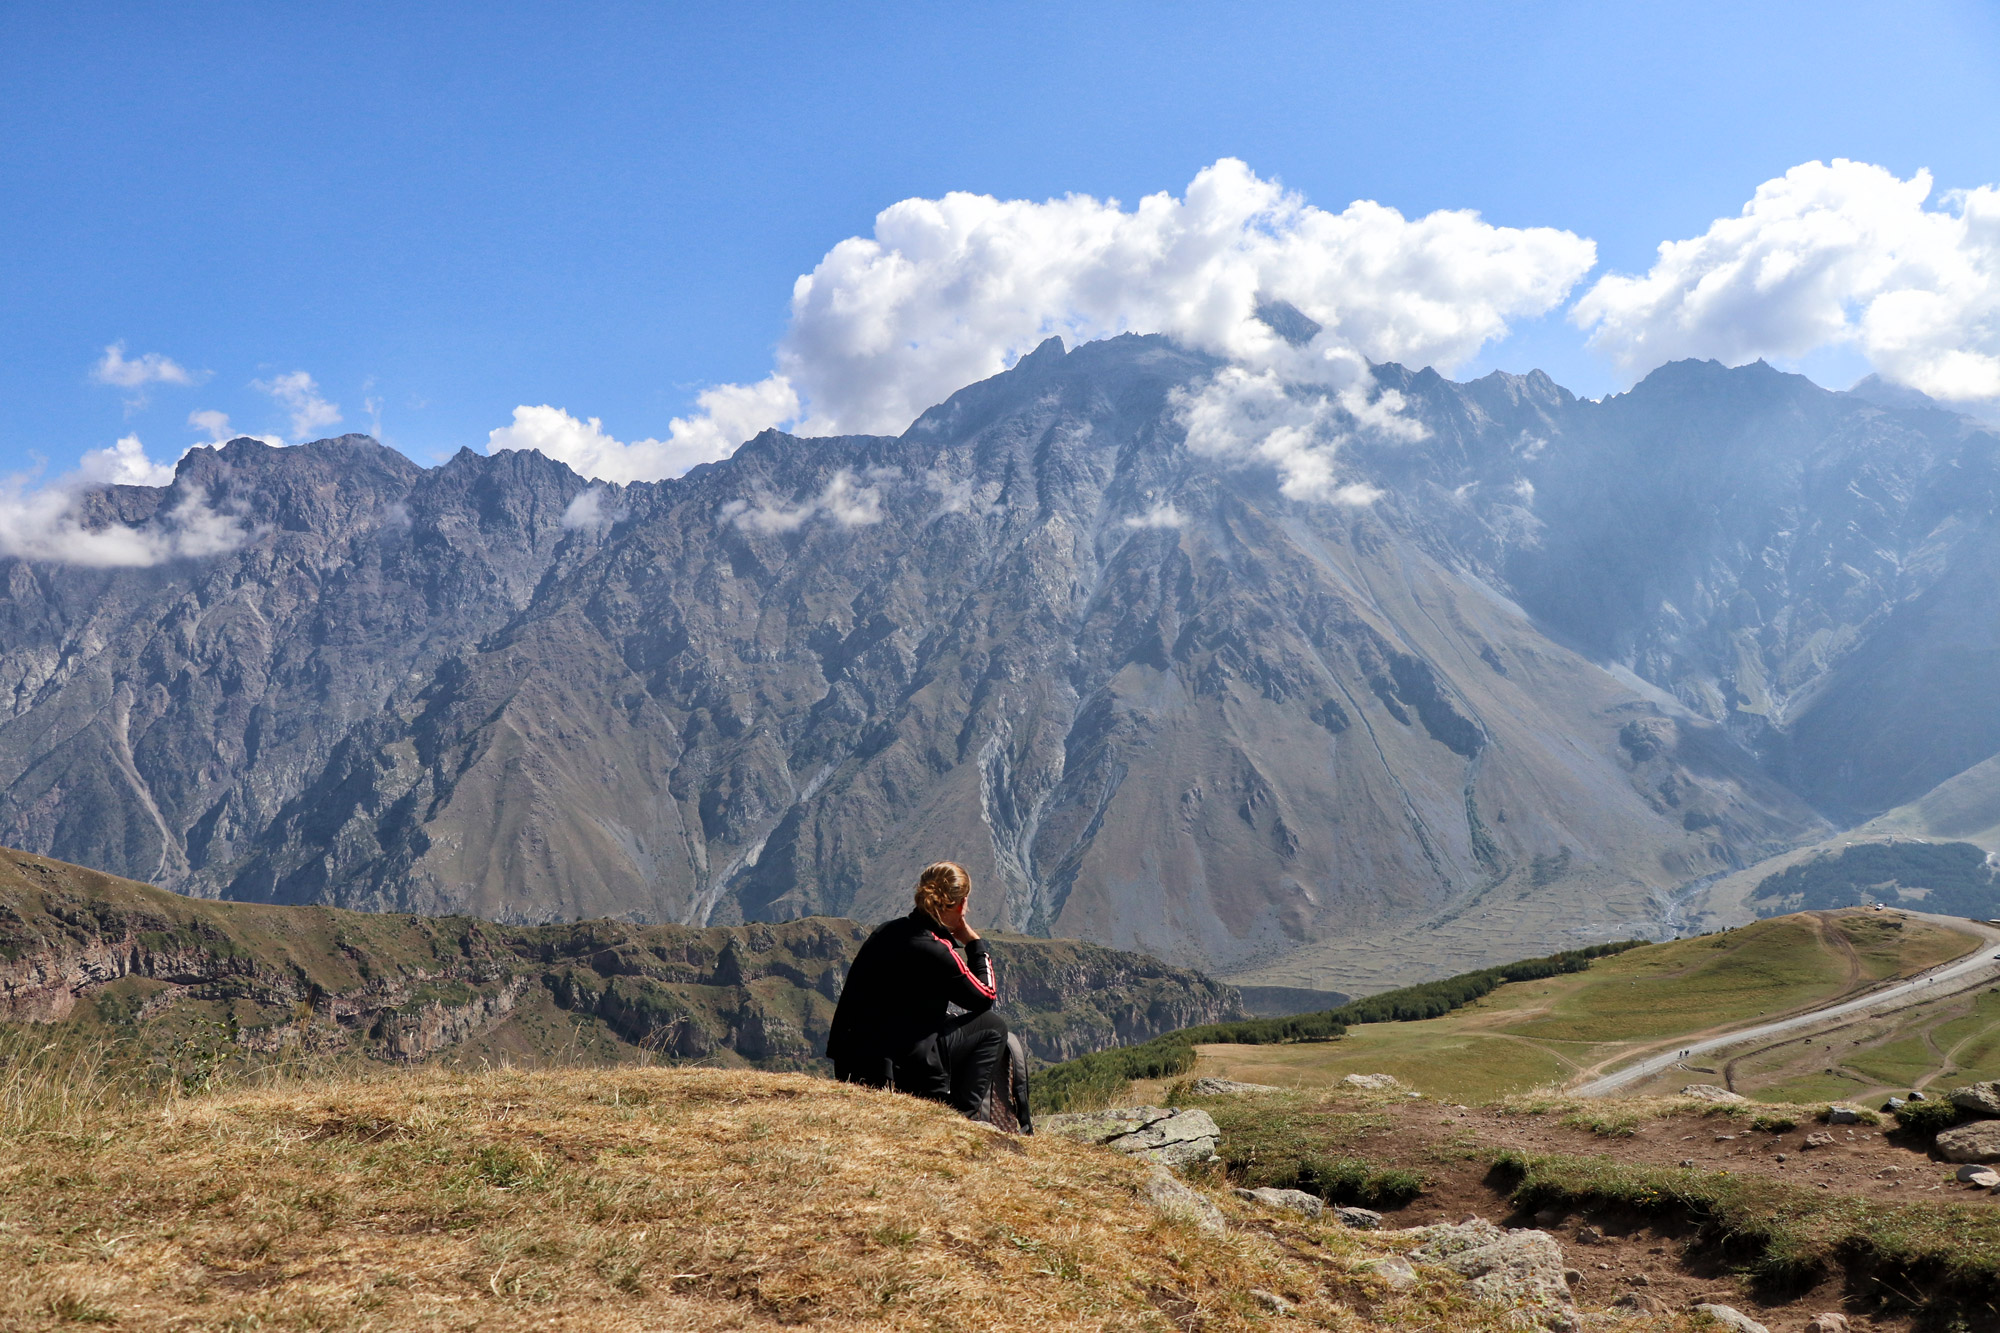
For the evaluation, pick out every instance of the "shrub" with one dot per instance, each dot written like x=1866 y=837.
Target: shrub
x=1351 y=1180
x=1927 y=1117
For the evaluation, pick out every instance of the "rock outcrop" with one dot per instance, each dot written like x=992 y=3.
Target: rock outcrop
x=1980 y=1099
x=1170 y=1137
x=1978 y=1141
x=1522 y=1270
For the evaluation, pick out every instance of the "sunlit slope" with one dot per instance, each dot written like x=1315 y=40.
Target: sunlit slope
x=1939 y=1043
x=1530 y=1034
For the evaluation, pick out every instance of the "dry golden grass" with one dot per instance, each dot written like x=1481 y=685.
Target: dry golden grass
x=628 y=1200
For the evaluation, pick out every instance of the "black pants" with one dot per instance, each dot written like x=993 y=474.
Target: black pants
x=955 y=1064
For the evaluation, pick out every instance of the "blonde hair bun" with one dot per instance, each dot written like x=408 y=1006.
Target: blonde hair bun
x=942 y=886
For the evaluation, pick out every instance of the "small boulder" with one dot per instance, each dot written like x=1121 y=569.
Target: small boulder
x=1827 y=1323
x=1523 y=1269
x=1978 y=1099
x=1176 y=1198
x=1588 y=1235
x=1972 y=1171
x=1919 y=1096
x=1152 y=1133
x=1819 y=1141
x=1842 y=1115
x=1217 y=1087
x=1271 y=1301
x=1731 y=1318
x=1979 y=1177
x=1360 y=1219
x=1709 y=1092
x=1978 y=1141
x=1640 y=1302
x=1297 y=1201
x=1373 y=1082
x=1393 y=1269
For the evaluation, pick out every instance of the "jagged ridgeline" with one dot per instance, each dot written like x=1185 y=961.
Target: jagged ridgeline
x=198 y=985
x=1954 y=878
x=1095 y=1079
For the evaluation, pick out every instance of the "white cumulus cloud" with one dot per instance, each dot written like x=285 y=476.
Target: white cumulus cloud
x=117 y=369
x=846 y=499
x=948 y=291
x=1244 y=415
x=729 y=415
x=296 y=391
x=216 y=424
x=124 y=464
x=1824 y=255
x=52 y=523
x=588 y=512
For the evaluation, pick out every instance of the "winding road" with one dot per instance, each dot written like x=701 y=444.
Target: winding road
x=1979 y=965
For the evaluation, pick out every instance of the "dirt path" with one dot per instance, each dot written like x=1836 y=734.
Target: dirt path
x=1978 y=967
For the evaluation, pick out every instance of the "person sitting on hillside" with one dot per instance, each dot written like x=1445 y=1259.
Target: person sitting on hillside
x=895 y=1025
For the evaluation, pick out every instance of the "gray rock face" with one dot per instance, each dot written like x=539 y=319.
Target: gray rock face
x=1979 y=1099
x=1360 y=1219
x=1176 y=1198
x=1156 y=1134
x=1219 y=1087
x=1978 y=1141
x=1147 y=698
x=1399 y=1273
x=1297 y=1201
x=1731 y=1318
x=1520 y=1269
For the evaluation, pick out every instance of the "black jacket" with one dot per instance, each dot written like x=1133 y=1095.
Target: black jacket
x=897 y=990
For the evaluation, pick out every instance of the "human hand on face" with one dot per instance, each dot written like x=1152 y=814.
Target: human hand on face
x=953 y=920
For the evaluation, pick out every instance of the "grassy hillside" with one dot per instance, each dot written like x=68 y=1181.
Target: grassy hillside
x=628 y=1200
x=1537 y=1033
x=192 y=985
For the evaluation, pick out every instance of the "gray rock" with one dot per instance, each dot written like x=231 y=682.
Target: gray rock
x=1984 y=1179
x=1978 y=1141
x=1819 y=1140
x=1521 y=1269
x=1271 y=1301
x=1640 y=1302
x=1373 y=1083
x=1972 y=1172
x=1843 y=1115
x=1360 y=1219
x=1978 y=1098
x=1297 y=1201
x=1154 y=1133
x=1827 y=1323
x=1710 y=1092
x=1731 y=1318
x=1393 y=1269
x=1589 y=1235
x=1217 y=1087
x=1176 y=1198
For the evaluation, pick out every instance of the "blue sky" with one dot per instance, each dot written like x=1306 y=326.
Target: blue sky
x=454 y=210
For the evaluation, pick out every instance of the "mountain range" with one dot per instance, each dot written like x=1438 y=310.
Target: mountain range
x=1572 y=662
